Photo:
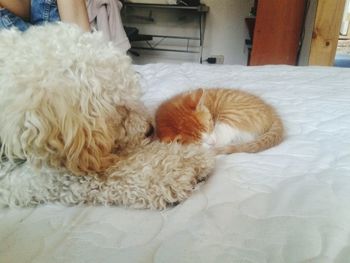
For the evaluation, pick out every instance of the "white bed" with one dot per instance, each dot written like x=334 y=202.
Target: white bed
x=288 y=204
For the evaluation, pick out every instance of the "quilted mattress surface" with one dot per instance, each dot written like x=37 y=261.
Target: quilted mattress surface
x=290 y=203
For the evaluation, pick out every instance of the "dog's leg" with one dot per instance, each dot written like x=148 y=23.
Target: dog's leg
x=155 y=176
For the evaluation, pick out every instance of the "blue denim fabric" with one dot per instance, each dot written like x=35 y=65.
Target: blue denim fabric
x=42 y=11
x=8 y=20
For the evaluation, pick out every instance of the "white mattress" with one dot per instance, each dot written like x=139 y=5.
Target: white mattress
x=288 y=204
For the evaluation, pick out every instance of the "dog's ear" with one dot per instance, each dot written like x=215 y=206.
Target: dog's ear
x=90 y=152
x=74 y=142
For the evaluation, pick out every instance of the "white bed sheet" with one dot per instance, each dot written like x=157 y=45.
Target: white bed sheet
x=287 y=204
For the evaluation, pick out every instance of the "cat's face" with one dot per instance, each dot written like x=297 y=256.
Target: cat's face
x=197 y=126
x=185 y=119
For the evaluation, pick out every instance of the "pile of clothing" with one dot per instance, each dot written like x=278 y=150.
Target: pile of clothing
x=104 y=15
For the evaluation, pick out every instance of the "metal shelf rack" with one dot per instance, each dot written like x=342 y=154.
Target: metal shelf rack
x=200 y=10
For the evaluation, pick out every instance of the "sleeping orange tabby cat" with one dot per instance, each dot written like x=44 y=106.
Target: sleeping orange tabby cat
x=228 y=120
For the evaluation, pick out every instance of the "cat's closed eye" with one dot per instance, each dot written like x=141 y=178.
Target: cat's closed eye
x=178 y=139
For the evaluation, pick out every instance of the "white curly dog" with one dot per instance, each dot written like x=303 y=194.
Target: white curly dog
x=70 y=107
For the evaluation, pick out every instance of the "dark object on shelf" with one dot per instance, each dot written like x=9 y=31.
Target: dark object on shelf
x=249 y=45
x=211 y=60
x=133 y=35
x=188 y=2
x=131 y=31
x=254 y=8
x=249 y=42
x=250 y=22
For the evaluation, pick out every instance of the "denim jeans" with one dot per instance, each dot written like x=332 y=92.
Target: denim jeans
x=42 y=11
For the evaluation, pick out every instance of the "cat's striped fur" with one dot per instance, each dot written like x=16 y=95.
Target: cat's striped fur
x=191 y=117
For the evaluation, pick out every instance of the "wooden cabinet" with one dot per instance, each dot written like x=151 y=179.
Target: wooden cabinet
x=277 y=32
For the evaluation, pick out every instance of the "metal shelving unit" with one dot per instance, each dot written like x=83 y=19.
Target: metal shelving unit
x=200 y=10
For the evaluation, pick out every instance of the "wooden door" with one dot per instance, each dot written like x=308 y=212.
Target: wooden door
x=277 y=32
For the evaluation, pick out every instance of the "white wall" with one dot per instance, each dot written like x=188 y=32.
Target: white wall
x=225 y=32
x=346 y=17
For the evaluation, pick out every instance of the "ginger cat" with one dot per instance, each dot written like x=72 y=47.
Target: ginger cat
x=227 y=120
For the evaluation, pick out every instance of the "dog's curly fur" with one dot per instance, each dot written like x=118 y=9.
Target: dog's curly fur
x=70 y=106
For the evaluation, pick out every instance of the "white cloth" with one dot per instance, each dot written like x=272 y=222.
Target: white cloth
x=286 y=204
x=104 y=15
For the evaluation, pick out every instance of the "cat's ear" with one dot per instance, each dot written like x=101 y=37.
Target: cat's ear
x=197 y=99
x=200 y=102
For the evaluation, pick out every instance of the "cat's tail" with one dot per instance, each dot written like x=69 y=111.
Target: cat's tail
x=272 y=137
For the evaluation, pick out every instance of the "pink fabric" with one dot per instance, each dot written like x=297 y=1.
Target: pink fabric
x=105 y=15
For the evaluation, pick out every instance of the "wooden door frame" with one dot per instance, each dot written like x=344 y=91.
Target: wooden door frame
x=325 y=33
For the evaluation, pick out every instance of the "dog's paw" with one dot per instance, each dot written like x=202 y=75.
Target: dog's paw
x=157 y=176
x=149 y=187
x=178 y=176
x=174 y=192
x=177 y=185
